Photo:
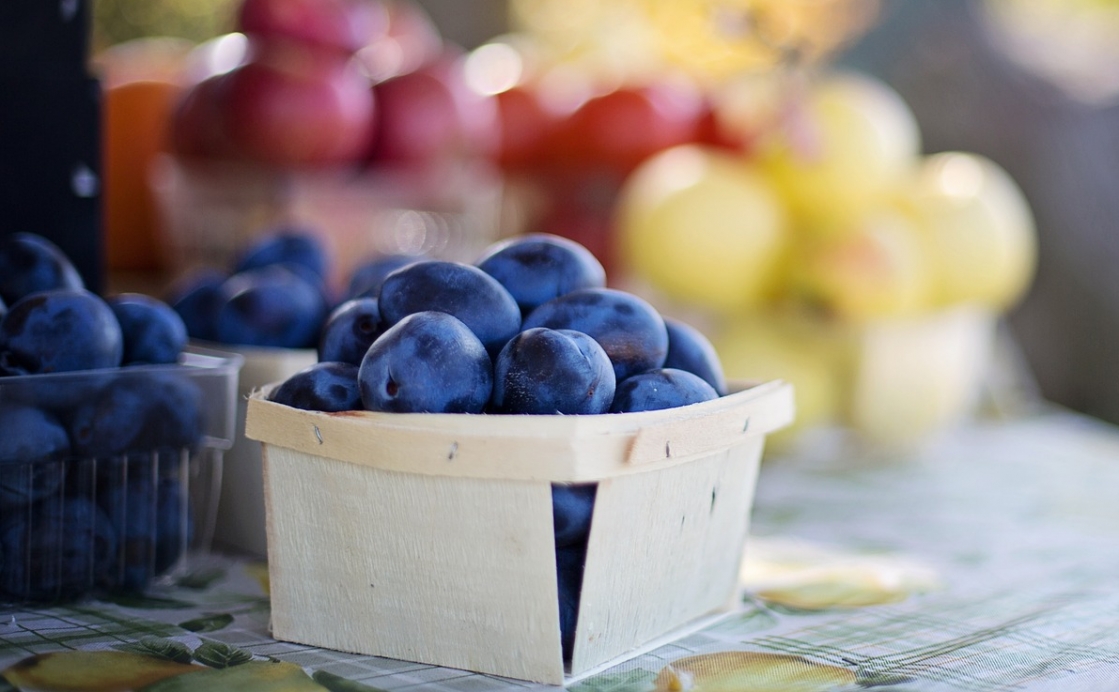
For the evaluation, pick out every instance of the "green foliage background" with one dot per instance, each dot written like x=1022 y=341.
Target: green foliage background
x=115 y=21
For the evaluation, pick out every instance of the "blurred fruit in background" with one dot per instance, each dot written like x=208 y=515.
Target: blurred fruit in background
x=703 y=150
x=682 y=226
x=1073 y=44
x=631 y=40
x=882 y=295
x=353 y=117
x=141 y=81
x=845 y=141
x=979 y=229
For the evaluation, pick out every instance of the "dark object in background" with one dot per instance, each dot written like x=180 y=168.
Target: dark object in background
x=50 y=162
x=43 y=39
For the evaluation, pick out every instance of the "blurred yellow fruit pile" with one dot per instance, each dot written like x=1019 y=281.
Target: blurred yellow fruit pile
x=832 y=253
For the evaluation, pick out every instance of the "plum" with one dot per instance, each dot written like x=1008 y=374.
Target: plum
x=349 y=331
x=366 y=279
x=538 y=267
x=572 y=507
x=570 y=561
x=461 y=290
x=60 y=331
x=153 y=333
x=197 y=299
x=139 y=411
x=550 y=371
x=429 y=362
x=148 y=517
x=325 y=386
x=30 y=263
x=271 y=306
x=630 y=330
x=285 y=246
x=660 y=389
x=57 y=550
x=33 y=445
x=689 y=349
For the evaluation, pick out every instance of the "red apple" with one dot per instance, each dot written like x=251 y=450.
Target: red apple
x=198 y=121
x=410 y=41
x=622 y=128
x=293 y=106
x=431 y=114
x=527 y=126
x=345 y=25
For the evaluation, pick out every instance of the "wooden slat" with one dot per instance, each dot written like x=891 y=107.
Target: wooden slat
x=551 y=448
x=453 y=572
x=664 y=549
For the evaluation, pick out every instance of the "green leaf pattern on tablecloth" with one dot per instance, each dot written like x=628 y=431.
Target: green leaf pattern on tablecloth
x=166 y=649
x=220 y=655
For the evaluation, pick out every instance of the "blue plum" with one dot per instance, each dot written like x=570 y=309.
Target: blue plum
x=272 y=306
x=153 y=333
x=326 y=386
x=197 y=299
x=30 y=263
x=349 y=331
x=366 y=279
x=572 y=507
x=466 y=292
x=60 y=331
x=138 y=412
x=689 y=349
x=538 y=267
x=33 y=445
x=151 y=520
x=550 y=371
x=58 y=550
x=630 y=330
x=569 y=577
x=660 y=389
x=3 y=308
x=285 y=246
x=429 y=362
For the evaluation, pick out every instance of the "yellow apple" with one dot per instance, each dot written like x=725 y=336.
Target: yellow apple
x=980 y=230
x=841 y=146
x=701 y=226
x=875 y=267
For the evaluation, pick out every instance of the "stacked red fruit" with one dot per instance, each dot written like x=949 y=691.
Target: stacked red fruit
x=334 y=82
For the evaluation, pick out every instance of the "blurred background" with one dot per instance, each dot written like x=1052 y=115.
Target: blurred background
x=835 y=116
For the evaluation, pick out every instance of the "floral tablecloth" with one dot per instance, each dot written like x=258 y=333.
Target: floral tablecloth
x=987 y=561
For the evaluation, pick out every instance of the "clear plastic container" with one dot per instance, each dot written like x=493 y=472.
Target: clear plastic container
x=109 y=479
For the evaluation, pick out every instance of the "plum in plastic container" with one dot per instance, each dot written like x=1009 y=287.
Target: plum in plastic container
x=109 y=479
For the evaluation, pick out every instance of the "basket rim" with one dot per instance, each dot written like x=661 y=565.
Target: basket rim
x=555 y=448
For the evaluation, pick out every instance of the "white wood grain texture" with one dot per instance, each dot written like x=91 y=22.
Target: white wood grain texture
x=548 y=448
x=454 y=572
x=664 y=549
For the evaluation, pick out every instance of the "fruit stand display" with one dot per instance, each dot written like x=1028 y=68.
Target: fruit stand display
x=785 y=204
x=351 y=119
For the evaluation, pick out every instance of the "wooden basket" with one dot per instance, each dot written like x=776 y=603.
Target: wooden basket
x=429 y=537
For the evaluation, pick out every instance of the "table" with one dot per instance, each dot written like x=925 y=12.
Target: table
x=986 y=561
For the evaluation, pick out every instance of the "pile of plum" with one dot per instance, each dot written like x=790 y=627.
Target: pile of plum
x=530 y=328
x=96 y=424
